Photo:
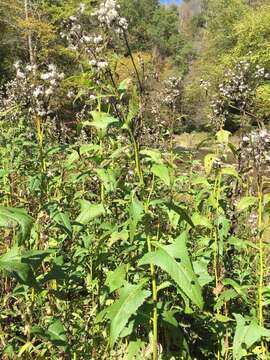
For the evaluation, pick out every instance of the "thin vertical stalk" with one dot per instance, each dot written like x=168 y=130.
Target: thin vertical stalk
x=154 y=299
x=261 y=254
x=216 y=249
x=216 y=244
x=29 y=35
x=40 y=137
x=132 y=60
x=137 y=159
x=154 y=283
x=261 y=272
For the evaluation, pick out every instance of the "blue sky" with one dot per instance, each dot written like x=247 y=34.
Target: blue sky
x=170 y=1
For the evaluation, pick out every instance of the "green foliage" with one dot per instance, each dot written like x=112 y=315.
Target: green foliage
x=128 y=248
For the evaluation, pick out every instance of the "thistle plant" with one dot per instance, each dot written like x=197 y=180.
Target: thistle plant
x=129 y=253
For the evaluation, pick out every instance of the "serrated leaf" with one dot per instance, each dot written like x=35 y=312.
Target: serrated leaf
x=115 y=279
x=108 y=178
x=133 y=350
x=162 y=172
x=223 y=136
x=222 y=318
x=230 y=171
x=11 y=262
x=124 y=84
x=73 y=157
x=153 y=155
x=131 y=297
x=201 y=220
x=61 y=219
x=181 y=212
x=89 y=212
x=11 y=217
x=180 y=271
x=246 y=202
x=56 y=334
x=246 y=336
x=34 y=258
x=101 y=120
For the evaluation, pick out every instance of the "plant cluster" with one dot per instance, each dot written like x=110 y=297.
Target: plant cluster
x=114 y=247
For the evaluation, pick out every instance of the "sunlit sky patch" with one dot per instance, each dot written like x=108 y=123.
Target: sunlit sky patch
x=171 y=2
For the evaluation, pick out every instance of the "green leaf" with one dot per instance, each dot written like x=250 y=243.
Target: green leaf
x=181 y=212
x=246 y=336
x=56 y=334
x=201 y=270
x=73 y=157
x=108 y=178
x=133 y=350
x=61 y=219
x=115 y=279
x=131 y=297
x=266 y=199
x=223 y=136
x=246 y=202
x=222 y=318
x=89 y=212
x=34 y=258
x=124 y=84
x=208 y=162
x=101 y=120
x=162 y=172
x=11 y=217
x=201 y=220
x=180 y=271
x=11 y=262
x=174 y=218
x=230 y=171
x=153 y=155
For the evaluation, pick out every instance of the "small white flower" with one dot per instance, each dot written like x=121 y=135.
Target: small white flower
x=38 y=91
x=49 y=91
x=20 y=74
x=45 y=76
x=53 y=82
x=82 y=8
x=97 y=39
x=42 y=113
x=102 y=64
x=52 y=67
x=93 y=62
x=87 y=39
x=17 y=64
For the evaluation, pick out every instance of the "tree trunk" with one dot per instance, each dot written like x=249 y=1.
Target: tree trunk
x=29 y=35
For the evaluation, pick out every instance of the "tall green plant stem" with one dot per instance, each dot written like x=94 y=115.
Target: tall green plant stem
x=137 y=158
x=40 y=137
x=261 y=273
x=261 y=251
x=132 y=60
x=154 y=282
x=216 y=249
x=216 y=254
x=154 y=299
